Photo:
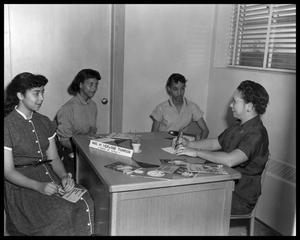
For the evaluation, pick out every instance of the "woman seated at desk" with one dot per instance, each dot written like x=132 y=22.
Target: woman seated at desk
x=178 y=113
x=78 y=115
x=34 y=174
x=243 y=146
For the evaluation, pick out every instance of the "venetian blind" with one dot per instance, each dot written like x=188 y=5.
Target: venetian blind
x=264 y=36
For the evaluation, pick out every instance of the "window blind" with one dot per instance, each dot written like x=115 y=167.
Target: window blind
x=264 y=36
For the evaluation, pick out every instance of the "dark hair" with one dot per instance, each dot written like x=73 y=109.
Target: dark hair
x=81 y=76
x=254 y=93
x=21 y=83
x=175 y=77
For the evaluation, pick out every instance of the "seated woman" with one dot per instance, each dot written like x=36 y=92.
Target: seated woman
x=34 y=175
x=78 y=116
x=177 y=113
x=243 y=146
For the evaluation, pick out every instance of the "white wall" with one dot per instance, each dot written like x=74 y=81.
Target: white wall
x=58 y=40
x=7 y=68
x=278 y=201
x=159 y=40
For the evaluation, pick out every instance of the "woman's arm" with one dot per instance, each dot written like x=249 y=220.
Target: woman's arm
x=155 y=125
x=202 y=124
x=211 y=144
x=64 y=129
x=12 y=175
x=58 y=167
x=56 y=163
x=231 y=159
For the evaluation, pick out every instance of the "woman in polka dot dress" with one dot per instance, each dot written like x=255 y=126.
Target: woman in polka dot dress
x=34 y=174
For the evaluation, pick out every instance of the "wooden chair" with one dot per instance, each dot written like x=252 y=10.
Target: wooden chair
x=251 y=215
x=67 y=157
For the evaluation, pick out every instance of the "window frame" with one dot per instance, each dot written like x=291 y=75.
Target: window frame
x=233 y=43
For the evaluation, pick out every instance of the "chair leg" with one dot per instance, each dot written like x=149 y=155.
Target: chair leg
x=252 y=226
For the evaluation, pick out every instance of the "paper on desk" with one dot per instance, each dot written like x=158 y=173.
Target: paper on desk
x=171 y=149
x=189 y=138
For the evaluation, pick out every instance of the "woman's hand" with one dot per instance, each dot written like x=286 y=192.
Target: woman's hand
x=198 y=137
x=187 y=151
x=182 y=141
x=67 y=182
x=47 y=188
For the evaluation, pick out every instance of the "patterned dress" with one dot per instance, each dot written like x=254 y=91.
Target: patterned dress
x=31 y=212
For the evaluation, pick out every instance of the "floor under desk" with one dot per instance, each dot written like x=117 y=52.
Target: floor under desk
x=239 y=228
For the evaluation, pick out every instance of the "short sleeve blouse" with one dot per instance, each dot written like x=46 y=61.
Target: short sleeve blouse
x=28 y=138
x=251 y=138
x=171 y=119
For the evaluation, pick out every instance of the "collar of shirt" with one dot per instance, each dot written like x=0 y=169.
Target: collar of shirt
x=22 y=114
x=172 y=104
x=80 y=98
x=250 y=123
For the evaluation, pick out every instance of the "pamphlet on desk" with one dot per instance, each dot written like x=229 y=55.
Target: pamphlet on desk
x=187 y=169
x=169 y=169
x=132 y=170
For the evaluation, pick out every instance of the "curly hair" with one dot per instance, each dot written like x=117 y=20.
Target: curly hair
x=81 y=76
x=175 y=77
x=21 y=83
x=254 y=93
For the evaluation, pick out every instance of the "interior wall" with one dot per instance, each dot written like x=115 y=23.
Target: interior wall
x=279 y=121
x=58 y=40
x=7 y=68
x=160 y=40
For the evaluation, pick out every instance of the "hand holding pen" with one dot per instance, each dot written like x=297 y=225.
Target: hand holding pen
x=179 y=141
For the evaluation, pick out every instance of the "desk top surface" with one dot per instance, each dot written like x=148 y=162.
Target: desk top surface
x=151 y=144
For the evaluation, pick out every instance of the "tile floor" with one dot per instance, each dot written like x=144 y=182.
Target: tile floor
x=239 y=228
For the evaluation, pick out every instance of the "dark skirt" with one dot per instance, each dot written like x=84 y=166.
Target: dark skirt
x=34 y=214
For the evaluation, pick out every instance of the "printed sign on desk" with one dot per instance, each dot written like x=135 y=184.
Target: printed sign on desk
x=111 y=148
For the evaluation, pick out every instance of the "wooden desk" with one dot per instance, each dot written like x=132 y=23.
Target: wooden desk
x=128 y=205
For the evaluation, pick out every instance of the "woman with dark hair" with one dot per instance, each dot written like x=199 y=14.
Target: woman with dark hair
x=78 y=116
x=34 y=174
x=243 y=146
x=177 y=113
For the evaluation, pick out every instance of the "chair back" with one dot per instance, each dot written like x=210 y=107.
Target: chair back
x=251 y=215
x=263 y=175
